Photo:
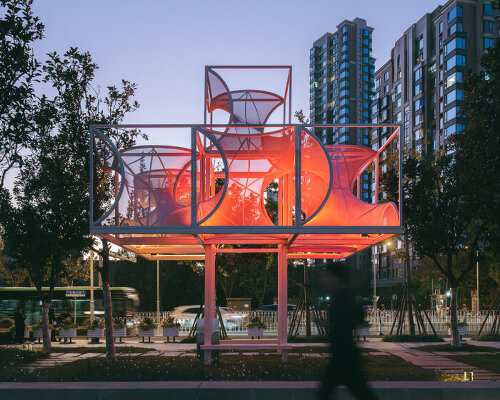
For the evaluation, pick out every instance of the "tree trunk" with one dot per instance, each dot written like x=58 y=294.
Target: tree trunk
x=47 y=344
x=455 y=336
x=411 y=323
x=108 y=312
x=306 y=300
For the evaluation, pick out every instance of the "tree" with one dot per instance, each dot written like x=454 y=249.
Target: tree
x=76 y=270
x=19 y=70
x=78 y=105
x=46 y=223
x=477 y=149
x=49 y=221
x=441 y=224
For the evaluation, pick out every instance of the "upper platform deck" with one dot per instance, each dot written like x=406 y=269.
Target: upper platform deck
x=243 y=182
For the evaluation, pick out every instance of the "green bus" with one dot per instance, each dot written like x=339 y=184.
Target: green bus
x=125 y=301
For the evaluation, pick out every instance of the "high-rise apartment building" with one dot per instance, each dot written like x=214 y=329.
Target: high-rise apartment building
x=341 y=89
x=341 y=86
x=421 y=87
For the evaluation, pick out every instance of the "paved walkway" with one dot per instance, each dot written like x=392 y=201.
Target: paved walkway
x=439 y=360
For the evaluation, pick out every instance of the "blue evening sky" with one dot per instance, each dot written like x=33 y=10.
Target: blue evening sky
x=163 y=45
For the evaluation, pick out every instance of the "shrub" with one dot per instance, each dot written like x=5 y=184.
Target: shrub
x=147 y=324
x=364 y=324
x=67 y=323
x=459 y=323
x=255 y=322
x=487 y=337
x=170 y=322
x=97 y=323
x=412 y=338
x=119 y=323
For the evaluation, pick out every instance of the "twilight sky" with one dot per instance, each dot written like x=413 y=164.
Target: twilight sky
x=163 y=46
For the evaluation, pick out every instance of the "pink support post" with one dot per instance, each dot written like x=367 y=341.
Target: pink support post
x=377 y=176
x=358 y=182
x=282 y=295
x=209 y=300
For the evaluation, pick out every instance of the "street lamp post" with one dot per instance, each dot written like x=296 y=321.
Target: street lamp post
x=477 y=280
x=92 y=309
x=375 y=285
x=158 y=291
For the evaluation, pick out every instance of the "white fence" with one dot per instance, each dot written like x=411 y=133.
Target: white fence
x=381 y=321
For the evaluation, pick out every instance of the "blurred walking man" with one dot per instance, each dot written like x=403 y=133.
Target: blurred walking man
x=344 y=367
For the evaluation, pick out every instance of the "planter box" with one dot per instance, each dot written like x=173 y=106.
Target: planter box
x=38 y=334
x=365 y=331
x=462 y=331
x=171 y=332
x=67 y=333
x=362 y=332
x=95 y=333
x=148 y=333
x=120 y=332
x=258 y=332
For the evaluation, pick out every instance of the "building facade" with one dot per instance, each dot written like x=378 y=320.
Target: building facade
x=341 y=86
x=341 y=90
x=421 y=87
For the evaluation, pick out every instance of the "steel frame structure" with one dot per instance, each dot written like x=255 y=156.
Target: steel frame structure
x=196 y=237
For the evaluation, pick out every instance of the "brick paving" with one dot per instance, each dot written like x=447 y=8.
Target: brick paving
x=438 y=361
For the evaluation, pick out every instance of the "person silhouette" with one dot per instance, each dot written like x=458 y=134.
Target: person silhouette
x=19 y=319
x=344 y=367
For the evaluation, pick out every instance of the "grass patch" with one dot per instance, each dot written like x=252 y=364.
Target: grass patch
x=247 y=368
x=463 y=347
x=101 y=349
x=412 y=338
x=487 y=337
x=305 y=339
x=489 y=362
x=13 y=359
x=296 y=350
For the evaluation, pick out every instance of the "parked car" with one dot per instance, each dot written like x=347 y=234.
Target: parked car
x=274 y=307
x=185 y=315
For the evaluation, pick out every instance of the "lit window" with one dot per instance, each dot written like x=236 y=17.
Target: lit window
x=417 y=74
x=418 y=104
x=457 y=27
x=454 y=78
x=458 y=60
x=417 y=89
x=419 y=118
x=487 y=9
x=488 y=26
x=458 y=43
x=451 y=114
x=487 y=43
x=455 y=12
x=454 y=95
